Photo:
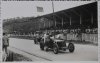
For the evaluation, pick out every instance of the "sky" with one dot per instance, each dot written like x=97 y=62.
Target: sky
x=13 y=9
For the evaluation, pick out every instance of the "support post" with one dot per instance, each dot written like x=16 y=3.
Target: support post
x=70 y=21
x=55 y=22
x=80 y=19
x=44 y=24
x=91 y=18
x=49 y=24
x=62 y=23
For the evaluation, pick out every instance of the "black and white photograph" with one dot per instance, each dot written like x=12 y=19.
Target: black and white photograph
x=49 y=31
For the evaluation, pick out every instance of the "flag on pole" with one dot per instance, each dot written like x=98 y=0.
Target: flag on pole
x=39 y=9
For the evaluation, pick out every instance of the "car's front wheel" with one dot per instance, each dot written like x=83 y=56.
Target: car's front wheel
x=71 y=47
x=55 y=49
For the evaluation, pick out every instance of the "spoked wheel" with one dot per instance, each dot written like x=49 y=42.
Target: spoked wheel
x=55 y=49
x=71 y=47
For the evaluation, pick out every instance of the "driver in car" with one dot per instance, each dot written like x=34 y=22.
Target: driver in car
x=61 y=36
x=47 y=40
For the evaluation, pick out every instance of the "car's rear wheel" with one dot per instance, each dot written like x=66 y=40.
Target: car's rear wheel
x=71 y=47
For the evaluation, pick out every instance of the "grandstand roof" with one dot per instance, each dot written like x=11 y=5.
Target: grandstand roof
x=84 y=15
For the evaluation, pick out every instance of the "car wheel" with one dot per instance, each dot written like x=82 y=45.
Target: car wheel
x=71 y=47
x=55 y=49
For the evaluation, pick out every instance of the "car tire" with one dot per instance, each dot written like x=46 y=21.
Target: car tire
x=71 y=47
x=55 y=49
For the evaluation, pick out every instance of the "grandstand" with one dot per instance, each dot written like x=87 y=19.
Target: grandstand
x=80 y=17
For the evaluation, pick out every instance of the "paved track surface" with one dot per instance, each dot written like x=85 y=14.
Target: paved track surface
x=81 y=53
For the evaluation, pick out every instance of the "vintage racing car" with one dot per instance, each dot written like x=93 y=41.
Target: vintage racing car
x=56 y=45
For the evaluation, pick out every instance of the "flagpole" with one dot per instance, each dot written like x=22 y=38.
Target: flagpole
x=53 y=13
x=53 y=7
x=53 y=17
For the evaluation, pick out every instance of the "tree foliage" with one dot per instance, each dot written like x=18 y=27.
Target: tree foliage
x=25 y=25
